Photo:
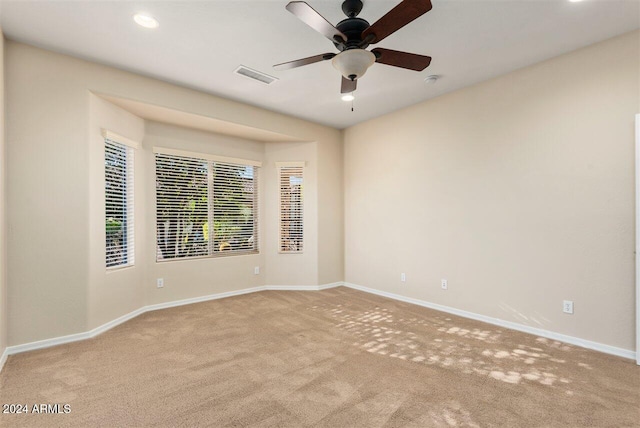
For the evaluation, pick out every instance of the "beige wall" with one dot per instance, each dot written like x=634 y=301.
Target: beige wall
x=57 y=284
x=518 y=190
x=299 y=268
x=115 y=292
x=3 y=253
x=331 y=214
x=47 y=195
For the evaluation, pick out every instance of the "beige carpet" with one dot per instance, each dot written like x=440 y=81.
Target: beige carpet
x=334 y=358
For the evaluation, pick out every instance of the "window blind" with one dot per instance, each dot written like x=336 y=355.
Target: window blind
x=119 y=221
x=291 y=207
x=205 y=207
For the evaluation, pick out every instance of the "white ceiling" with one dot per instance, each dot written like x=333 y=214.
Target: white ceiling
x=200 y=43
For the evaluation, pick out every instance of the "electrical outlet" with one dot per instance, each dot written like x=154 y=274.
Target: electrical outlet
x=160 y=282
x=567 y=306
x=403 y=277
x=256 y=270
x=444 y=284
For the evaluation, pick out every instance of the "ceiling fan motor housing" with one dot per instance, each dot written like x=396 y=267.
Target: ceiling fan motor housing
x=352 y=28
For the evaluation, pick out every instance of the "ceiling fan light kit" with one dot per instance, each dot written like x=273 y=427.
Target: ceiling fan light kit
x=353 y=35
x=353 y=63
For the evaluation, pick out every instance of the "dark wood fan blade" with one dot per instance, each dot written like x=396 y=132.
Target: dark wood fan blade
x=348 y=85
x=396 y=18
x=313 y=19
x=401 y=59
x=303 y=61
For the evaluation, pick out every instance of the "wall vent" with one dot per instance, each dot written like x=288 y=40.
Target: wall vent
x=255 y=75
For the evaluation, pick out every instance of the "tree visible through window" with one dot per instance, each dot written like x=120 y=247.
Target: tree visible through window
x=192 y=195
x=118 y=168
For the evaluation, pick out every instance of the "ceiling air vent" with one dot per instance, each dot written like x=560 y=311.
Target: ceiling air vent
x=255 y=75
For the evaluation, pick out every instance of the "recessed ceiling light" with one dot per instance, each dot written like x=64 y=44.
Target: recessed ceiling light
x=575 y=1
x=146 y=21
x=348 y=97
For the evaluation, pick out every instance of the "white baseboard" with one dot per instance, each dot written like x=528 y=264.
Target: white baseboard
x=116 y=322
x=3 y=358
x=291 y=287
x=330 y=285
x=46 y=343
x=607 y=349
x=192 y=300
x=303 y=287
x=495 y=321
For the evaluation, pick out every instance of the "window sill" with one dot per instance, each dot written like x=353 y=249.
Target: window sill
x=213 y=257
x=119 y=268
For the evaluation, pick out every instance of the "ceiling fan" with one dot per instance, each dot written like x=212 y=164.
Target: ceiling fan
x=353 y=35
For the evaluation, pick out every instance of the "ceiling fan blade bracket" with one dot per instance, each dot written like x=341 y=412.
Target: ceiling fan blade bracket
x=339 y=42
x=367 y=41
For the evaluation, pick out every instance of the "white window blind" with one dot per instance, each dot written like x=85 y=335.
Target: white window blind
x=291 y=207
x=119 y=222
x=205 y=207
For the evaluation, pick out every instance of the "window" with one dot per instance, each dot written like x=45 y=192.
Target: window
x=205 y=205
x=291 y=208
x=118 y=190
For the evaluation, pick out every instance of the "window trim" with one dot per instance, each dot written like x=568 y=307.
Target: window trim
x=209 y=158
x=280 y=166
x=117 y=138
x=129 y=146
